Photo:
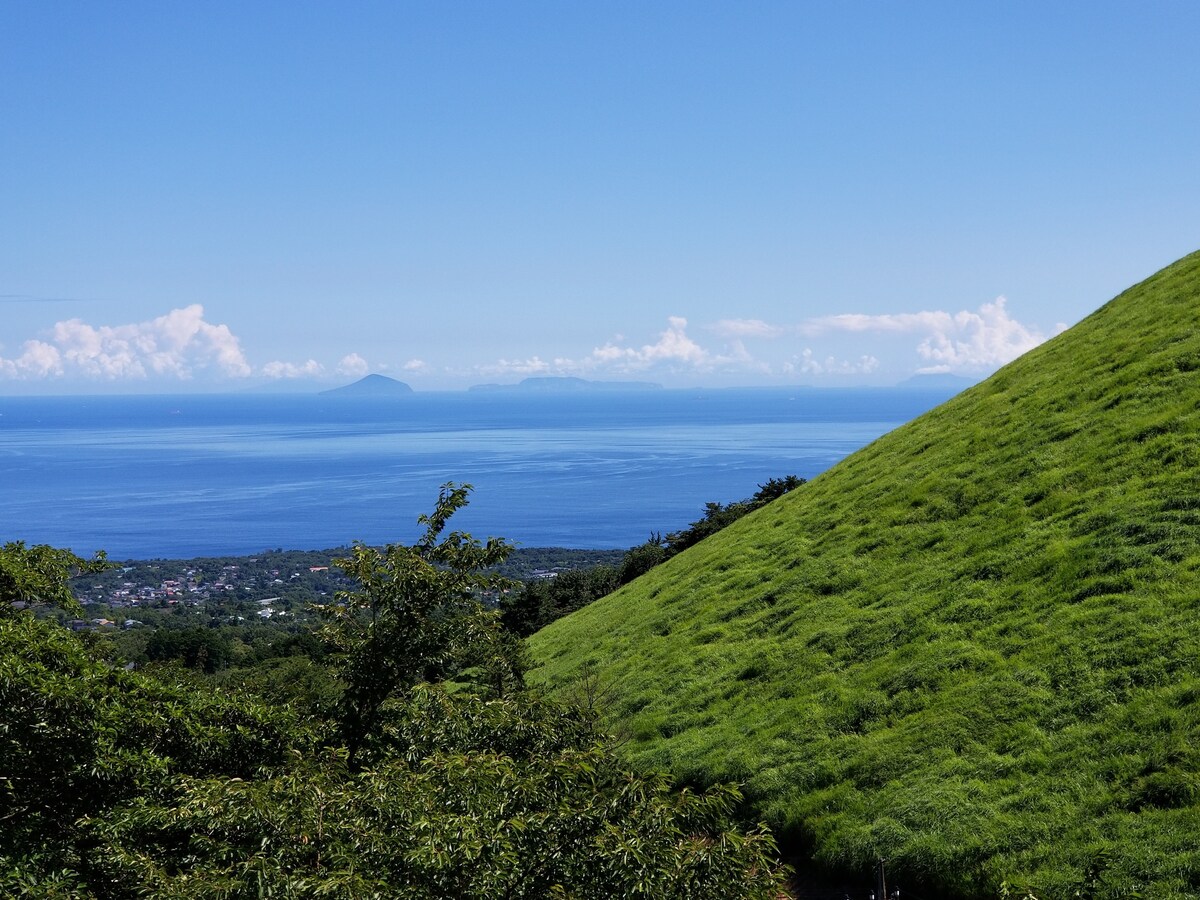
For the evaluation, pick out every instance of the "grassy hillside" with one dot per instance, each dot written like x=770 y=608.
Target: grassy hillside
x=973 y=647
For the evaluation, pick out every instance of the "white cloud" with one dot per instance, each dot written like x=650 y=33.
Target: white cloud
x=965 y=340
x=674 y=350
x=309 y=369
x=37 y=360
x=176 y=344
x=962 y=341
x=353 y=366
x=980 y=340
x=808 y=364
x=416 y=365
x=673 y=347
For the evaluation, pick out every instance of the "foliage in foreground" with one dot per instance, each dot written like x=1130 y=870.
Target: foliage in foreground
x=41 y=574
x=557 y=819
x=970 y=648
x=414 y=614
x=118 y=784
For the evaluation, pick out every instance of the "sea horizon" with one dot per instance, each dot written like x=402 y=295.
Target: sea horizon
x=186 y=475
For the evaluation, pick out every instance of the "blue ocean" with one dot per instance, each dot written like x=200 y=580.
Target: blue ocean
x=180 y=476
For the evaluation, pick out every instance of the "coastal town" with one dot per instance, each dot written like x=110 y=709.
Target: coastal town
x=273 y=586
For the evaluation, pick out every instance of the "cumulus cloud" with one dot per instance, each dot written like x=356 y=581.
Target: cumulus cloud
x=37 y=360
x=673 y=347
x=979 y=340
x=353 y=366
x=984 y=339
x=176 y=344
x=416 y=365
x=309 y=369
x=962 y=341
x=808 y=364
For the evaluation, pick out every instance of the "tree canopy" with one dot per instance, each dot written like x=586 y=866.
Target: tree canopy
x=390 y=781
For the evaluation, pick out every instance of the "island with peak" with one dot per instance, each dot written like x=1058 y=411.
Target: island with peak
x=371 y=386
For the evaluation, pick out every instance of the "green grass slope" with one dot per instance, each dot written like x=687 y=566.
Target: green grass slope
x=972 y=647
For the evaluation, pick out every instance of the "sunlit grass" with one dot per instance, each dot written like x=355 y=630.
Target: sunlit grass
x=972 y=647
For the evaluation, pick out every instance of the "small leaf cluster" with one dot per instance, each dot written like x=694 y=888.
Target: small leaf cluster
x=41 y=574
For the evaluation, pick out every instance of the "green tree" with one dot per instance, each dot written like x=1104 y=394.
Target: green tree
x=542 y=600
x=79 y=736
x=475 y=799
x=717 y=516
x=415 y=614
x=774 y=489
x=205 y=649
x=644 y=557
x=121 y=784
x=641 y=559
x=41 y=574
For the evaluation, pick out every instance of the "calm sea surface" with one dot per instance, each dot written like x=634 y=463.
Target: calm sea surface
x=181 y=476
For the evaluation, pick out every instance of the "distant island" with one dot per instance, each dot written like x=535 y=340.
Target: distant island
x=371 y=386
x=551 y=384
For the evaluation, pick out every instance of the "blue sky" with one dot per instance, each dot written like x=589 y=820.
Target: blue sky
x=214 y=196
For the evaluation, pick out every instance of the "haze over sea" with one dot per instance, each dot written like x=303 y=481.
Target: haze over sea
x=201 y=475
